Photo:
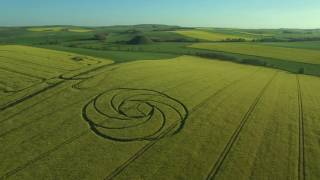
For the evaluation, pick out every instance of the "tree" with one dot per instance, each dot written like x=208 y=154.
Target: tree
x=100 y=36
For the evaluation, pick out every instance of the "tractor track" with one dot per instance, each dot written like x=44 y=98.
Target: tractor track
x=218 y=164
x=301 y=162
x=14 y=103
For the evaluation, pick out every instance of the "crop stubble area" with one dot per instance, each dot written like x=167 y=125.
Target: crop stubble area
x=74 y=117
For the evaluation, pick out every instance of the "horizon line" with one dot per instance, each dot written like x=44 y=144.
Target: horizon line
x=216 y=27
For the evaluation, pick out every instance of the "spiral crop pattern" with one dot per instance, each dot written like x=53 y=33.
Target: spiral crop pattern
x=128 y=114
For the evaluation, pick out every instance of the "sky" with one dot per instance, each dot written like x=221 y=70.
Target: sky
x=193 y=13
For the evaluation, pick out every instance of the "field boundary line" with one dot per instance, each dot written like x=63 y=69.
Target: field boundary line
x=301 y=167
x=218 y=164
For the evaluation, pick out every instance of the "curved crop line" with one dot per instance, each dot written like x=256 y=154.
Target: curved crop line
x=218 y=164
x=149 y=116
x=139 y=153
x=149 y=137
x=127 y=99
x=141 y=96
x=116 y=109
x=131 y=159
x=301 y=162
x=93 y=126
x=27 y=108
x=74 y=138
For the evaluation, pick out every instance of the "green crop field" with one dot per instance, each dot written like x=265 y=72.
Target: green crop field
x=58 y=29
x=70 y=116
x=313 y=45
x=209 y=36
x=283 y=53
x=159 y=102
x=159 y=90
x=26 y=69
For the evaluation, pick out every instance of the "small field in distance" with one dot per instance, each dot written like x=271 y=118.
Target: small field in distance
x=313 y=45
x=283 y=53
x=58 y=29
x=209 y=36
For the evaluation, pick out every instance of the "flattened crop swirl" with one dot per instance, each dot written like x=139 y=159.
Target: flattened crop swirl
x=127 y=114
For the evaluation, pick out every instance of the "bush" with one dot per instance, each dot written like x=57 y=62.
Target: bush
x=256 y=62
x=301 y=71
x=234 y=40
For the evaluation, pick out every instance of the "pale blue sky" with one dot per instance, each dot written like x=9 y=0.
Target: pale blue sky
x=214 y=13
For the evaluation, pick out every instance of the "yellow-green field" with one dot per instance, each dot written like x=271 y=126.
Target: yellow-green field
x=58 y=29
x=283 y=53
x=209 y=36
x=27 y=69
x=182 y=118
